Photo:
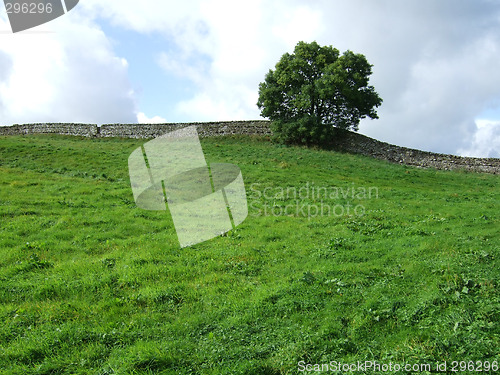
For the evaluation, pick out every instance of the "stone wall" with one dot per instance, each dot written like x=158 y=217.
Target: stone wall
x=348 y=142
x=361 y=144
x=84 y=130
x=205 y=129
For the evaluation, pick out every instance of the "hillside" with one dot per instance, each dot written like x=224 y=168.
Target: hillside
x=347 y=141
x=368 y=261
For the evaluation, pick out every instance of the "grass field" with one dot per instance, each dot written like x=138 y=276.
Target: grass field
x=404 y=268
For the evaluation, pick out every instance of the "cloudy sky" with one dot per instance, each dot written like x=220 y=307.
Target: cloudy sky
x=436 y=63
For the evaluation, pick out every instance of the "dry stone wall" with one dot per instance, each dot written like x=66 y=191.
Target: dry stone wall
x=348 y=142
x=360 y=144
x=205 y=129
x=84 y=130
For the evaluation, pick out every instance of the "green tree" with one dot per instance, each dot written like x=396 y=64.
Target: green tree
x=315 y=90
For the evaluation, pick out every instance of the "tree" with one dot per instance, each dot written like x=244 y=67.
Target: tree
x=315 y=90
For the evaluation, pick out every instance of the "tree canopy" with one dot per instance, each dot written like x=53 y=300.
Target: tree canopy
x=314 y=90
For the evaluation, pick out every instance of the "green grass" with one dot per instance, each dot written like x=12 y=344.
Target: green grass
x=91 y=284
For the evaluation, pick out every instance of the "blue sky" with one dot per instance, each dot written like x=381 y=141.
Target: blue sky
x=156 y=90
x=115 y=61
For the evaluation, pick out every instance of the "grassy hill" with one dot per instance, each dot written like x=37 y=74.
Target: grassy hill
x=404 y=268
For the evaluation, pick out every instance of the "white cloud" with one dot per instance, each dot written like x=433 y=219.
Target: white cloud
x=294 y=24
x=68 y=74
x=184 y=66
x=444 y=95
x=435 y=65
x=245 y=40
x=6 y=66
x=486 y=140
x=216 y=106
x=142 y=118
x=224 y=47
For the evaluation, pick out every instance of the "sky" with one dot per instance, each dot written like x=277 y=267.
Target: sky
x=436 y=64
